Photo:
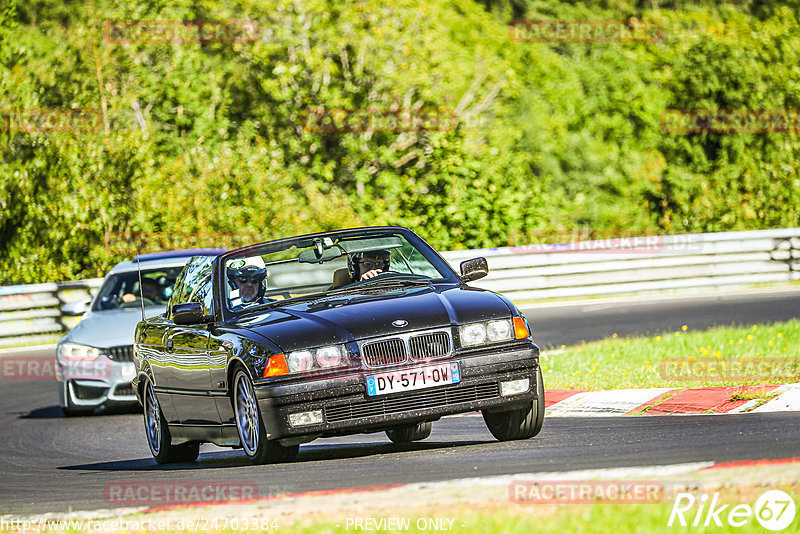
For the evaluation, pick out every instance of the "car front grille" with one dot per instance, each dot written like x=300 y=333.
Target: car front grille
x=429 y=345
x=123 y=353
x=416 y=400
x=385 y=352
x=404 y=347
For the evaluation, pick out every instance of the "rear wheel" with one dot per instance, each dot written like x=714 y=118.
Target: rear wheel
x=158 y=436
x=414 y=432
x=250 y=426
x=520 y=423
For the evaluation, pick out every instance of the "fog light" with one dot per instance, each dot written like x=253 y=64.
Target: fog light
x=305 y=418
x=512 y=387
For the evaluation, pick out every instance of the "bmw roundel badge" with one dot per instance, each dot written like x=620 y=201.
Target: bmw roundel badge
x=400 y=323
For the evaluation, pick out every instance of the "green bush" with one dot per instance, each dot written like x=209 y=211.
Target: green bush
x=208 y=143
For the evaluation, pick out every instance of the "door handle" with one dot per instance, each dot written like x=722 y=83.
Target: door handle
x=170 y=345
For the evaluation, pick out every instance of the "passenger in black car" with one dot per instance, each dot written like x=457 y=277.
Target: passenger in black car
x=248 y=275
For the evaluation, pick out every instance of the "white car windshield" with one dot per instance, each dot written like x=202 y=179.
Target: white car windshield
x=122 y=290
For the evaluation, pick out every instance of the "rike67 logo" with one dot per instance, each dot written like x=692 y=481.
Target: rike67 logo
x=773 y=510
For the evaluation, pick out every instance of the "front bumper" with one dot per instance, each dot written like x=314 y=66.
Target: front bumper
x=347 y=409
x=110 y=387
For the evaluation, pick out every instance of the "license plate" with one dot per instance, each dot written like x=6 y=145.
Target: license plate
x=417 y=378
x=128 y=372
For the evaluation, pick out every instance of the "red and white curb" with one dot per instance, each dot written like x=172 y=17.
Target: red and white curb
x=673 y=401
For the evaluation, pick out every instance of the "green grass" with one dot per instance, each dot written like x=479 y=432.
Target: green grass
x=563 y=518
x=729 y=356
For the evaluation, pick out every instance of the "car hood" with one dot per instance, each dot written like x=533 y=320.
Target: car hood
x=109 y=328
x=352 y=316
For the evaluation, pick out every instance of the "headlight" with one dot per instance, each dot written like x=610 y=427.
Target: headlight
x=321 y=358
x=486 y=332
x=73 y=351
x=329 y=356
x=300 y=360
x=498 y=330
x=473 y=334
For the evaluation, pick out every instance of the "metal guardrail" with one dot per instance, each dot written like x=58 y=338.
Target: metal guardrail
x=643 y=265
x=32 y=313
x=622 y=266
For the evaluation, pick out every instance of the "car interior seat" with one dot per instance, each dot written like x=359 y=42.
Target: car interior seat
x=341 y=277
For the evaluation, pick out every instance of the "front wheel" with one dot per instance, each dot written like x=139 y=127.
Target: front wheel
x=250 y=427
x=414 y=432
x=521 y=423
x=158 y=436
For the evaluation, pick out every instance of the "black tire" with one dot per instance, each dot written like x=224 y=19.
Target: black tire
x=414 y=432
x=520 y=423
x=250 y=426
x=158 y=436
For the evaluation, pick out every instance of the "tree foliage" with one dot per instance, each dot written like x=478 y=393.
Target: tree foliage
x=204 y=143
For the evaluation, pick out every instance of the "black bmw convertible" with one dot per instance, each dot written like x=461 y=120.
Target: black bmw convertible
x=354 y=331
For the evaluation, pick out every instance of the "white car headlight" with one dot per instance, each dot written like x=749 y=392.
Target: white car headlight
x=74 y=351
x=499 y=330
x=321 y=358
x=330 y=356
x=473 y=334
x=300 y=360
x=486 y=332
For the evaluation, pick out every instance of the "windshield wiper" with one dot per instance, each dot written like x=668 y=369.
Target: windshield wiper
x=278 y=303
x=380 y=282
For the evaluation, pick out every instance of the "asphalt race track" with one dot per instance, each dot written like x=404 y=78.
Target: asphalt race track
x=51 y=464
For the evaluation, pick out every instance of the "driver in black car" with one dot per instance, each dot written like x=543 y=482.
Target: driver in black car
x=366 y=265
x=248 y=276
x=361 y=266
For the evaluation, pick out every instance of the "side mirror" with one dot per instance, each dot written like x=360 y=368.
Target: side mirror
x=188 y=313
x=474 y=269
x=76 y=307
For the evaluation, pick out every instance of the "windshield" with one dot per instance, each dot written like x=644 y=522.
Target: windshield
x=317 y=267
x=122 y=290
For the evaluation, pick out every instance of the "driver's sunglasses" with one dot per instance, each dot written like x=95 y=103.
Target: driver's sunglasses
x=369 y=264
x=248 y=279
